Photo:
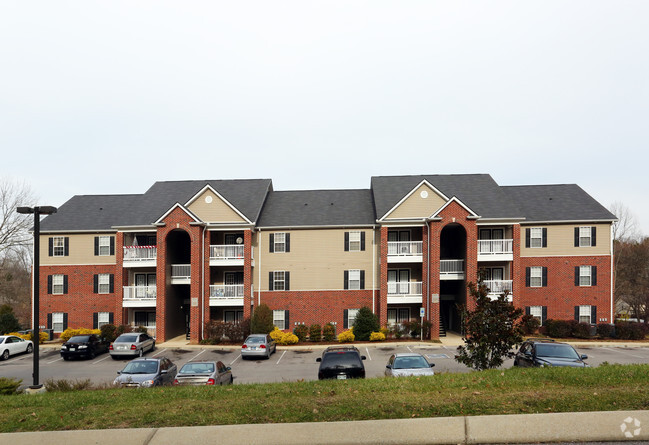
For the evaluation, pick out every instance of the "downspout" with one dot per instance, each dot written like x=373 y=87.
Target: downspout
x=374 y=270
x=428 y=294
x=203 y=283
x=259 y=271
x=612 y=277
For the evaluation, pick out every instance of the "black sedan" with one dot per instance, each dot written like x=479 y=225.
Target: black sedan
x=341 y=362
x=83 y=346
x=544 y=352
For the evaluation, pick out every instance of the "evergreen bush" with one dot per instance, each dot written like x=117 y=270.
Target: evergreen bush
x=315 y=332
x=365 y=323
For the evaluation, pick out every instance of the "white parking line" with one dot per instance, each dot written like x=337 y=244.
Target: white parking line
x=57 y=360
x=368 y=353
x=238 y=356
x=623 y=352
x=100 y=360
x=280 y=357
x=409 y=348
x=160 y=351
x=203 y=350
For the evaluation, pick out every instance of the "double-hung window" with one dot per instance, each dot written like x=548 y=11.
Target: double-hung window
x=58 y=246
x=585 y=313
x=57 y=322
x=536 y=276
x=354 y=241
x=354 y=279
x=278 y=280
x=585 y=276
x=586 y=236
x=103 y=283
x=279 y=319
x=537 y=312
x=58 y=285
x=104 y=245
x=536 y=237
x=280 y=242
x=351 y=317
x=102 y=319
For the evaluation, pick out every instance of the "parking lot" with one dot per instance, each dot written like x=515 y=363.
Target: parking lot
x=287 y=364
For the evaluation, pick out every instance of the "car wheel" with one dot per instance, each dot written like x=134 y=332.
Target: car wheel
x=231 y=380
x=516 y=363
x=152 y=346
x=66 y=358
x=5 y=354
x=141 y=352
x=30 y=349
x=92 y=355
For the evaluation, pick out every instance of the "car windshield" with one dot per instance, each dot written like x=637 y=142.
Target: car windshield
x=126 y=339
x=556 y=351
x=255 y=340
x=141 y=367
x=343 y=359
x=410 y=363
x=79 y=339
x=197 y=368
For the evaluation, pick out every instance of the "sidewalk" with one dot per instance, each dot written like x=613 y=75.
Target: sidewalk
x=519 y=428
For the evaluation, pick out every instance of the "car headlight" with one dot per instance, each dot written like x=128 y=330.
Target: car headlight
x=64 y=348
x=83 y=347
x=147 y=383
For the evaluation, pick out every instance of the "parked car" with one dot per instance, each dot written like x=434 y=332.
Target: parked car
x=258 y=345
x=84 y=346
x=406 y=364
x=12 y=345
x=545 y=352
x=133 y=344
x=147 y=372
x=341 y=362
x=204 y=373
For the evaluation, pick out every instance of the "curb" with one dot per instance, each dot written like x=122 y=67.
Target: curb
x=516 y=428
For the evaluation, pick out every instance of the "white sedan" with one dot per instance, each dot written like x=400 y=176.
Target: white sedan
x=12 y=345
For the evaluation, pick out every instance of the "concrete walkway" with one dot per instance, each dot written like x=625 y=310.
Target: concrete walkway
x=520 y=428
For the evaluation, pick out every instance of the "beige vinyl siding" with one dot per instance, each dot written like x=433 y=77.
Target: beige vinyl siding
x=317 y=259
x=561 y=241
x=215 y=211
x=417 y=207
x=82 y=251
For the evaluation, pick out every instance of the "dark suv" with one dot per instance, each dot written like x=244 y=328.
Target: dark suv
x=544 y=352
x=341 y=362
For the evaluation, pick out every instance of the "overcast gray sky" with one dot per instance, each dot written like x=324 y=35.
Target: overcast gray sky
x=104 y=97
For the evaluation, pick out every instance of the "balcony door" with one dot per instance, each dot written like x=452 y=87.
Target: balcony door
x=399 y=281
x=394 y=247
x=232 y=282
x=143 y=282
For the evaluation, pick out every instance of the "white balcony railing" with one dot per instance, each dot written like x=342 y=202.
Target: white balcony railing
x=498 y=286
x=181 y=271
x=226 y=291
x=404 y=288
x=227 y=252
x=495 y=246
x=140 y=253
x=140 y=293
x=404 y=248
x=451 y=267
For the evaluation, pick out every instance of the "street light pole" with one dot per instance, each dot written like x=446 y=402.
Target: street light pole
x=37 y=211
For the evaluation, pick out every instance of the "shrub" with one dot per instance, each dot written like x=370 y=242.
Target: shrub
x=301 y=331
x=558 y=328
x=68 y=333
x=581 y=330
x=329 y=332
x=530 y=324
x=109 y=332
x=262 y=320
x=9 y=386
x=377 y=336
x=315 y=332
x=346 y=337
x=122 y=329
x=217 y=331
x=365 y=323
x=43 y=336
x=288 y=339
x=276 y=334
x=8 y=321
x=64 y=385
x=628 y=330
x=605 y=330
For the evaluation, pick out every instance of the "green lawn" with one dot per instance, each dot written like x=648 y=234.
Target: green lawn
x=512 y=391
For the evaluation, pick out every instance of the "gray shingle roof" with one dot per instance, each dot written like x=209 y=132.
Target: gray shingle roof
x=563 y=202
x=102 y=212
x=318 y=208
x=478 y=191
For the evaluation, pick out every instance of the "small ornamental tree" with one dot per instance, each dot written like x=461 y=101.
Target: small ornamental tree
x=261 y=321
x=365 y=323
x=490 y=331
x=8 y=321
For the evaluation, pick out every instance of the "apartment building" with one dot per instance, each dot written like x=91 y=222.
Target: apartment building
x=187 y=252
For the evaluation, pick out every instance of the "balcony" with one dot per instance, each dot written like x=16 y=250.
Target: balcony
x=226 y=255
x=405 y=251
x=451 y=269
x=140 y=256
x=496 y=250
x=404 y=292
x=226 y=295
x=139 y=296
x=497 y=287
x=181 y=273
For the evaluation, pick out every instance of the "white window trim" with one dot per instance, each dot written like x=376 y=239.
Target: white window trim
x=102 y=319
x=536 y=273
x=537 y=312
x=354 y=277
x=103 y=283
x=57 y=319
x=536 y=235
x=57 y=284
x=58 y=246
x=279 y=319
x=585 y=232
x=104 y=244
x=355 y=241
x=585 y=311
x=279 y=276
x=585 y=271
x=351 y=317
x=277 y=242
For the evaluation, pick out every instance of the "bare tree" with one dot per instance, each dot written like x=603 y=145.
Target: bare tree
x=626 y=227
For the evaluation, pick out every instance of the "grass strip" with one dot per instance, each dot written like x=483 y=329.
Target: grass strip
x=511 y=391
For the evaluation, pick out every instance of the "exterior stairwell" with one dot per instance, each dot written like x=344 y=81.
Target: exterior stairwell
x=442 y=329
